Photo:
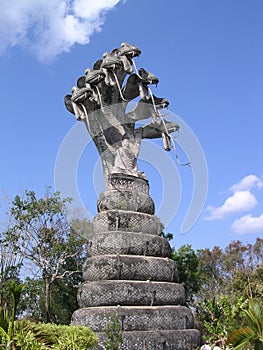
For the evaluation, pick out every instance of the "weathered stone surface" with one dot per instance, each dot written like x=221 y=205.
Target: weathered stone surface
x=130 y=267
x=158 y=340
x=136 y=317
x=125 y=200
x=129 y=243
x=123 y=182
x=124 y=220
x=129 y=293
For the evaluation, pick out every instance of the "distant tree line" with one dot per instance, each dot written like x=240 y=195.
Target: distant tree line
x=224 y=287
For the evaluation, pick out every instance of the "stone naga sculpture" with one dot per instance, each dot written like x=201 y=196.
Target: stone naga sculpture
x=129 y=271
x=100 y=100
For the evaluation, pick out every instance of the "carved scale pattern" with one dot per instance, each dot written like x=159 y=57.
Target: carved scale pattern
x=130 y=273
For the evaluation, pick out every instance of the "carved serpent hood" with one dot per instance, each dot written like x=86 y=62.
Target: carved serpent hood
x=100 y=100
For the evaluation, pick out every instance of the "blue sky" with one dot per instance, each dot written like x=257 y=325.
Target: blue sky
x=208 y=56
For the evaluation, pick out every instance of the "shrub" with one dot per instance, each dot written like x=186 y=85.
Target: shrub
x=45 y=336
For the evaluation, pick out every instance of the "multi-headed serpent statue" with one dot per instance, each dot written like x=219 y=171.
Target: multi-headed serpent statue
x=100 y=101
x=129 y=272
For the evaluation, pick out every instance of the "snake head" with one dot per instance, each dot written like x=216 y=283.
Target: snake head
x=160 y=102
x=148 y=77
x=128 y=50
x=110 y=61
x=80 y=95
x=94 y=76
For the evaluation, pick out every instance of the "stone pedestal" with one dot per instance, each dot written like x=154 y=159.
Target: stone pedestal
x=130 y=273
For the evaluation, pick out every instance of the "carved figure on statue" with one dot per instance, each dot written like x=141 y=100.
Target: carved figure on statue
x=127 y=155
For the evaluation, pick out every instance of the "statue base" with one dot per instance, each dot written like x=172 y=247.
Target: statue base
x=159 y=340
x=130 y=274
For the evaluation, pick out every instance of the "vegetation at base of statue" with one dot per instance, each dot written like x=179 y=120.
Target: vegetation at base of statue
x=225 y=291
x=250 y=334
x=27 y=335
x=223 y=286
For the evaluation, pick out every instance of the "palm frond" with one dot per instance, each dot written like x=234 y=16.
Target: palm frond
x=239 y=337
x=255 y=316
x=4 y=319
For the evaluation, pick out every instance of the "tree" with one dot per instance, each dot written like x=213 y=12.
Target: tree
x=256 y=279
x=231 y=271
x=189 y=272
x=10 y=264
x=32 y=304
x=10 y=258
x=251 y=333
x=245 y=267
x=63 y=294
x=230 y=275
x=46 y=239
x=210 y=264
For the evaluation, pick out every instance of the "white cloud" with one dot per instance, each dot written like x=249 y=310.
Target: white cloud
x=238 y=202
x=49 y=28
x=241 y=200
x=248 y=224
x=91 y=9
x=248 y=182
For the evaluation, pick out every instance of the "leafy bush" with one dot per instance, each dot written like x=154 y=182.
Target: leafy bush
x=74 y=338
x=26 y=335
x=250 y=334
x=42 y=336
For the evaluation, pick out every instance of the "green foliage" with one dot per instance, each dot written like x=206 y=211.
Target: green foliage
x=32 y=302
x=30 y=336
x=63 y=299
x=75 y=338
x=26 y=340
x=113 y=333
x=168 y=236
x=251 y=333
x=210 y=263
x=4 y=318
x=10 y=262
x=7 y=318
x=232 y=271
x=4 y=325
x=26 y=335
x=188 y=267
x=46 y=336
x=216 y=280
x=218 y=316
x=40 y=228
x=44 y=236
x=16 y=291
